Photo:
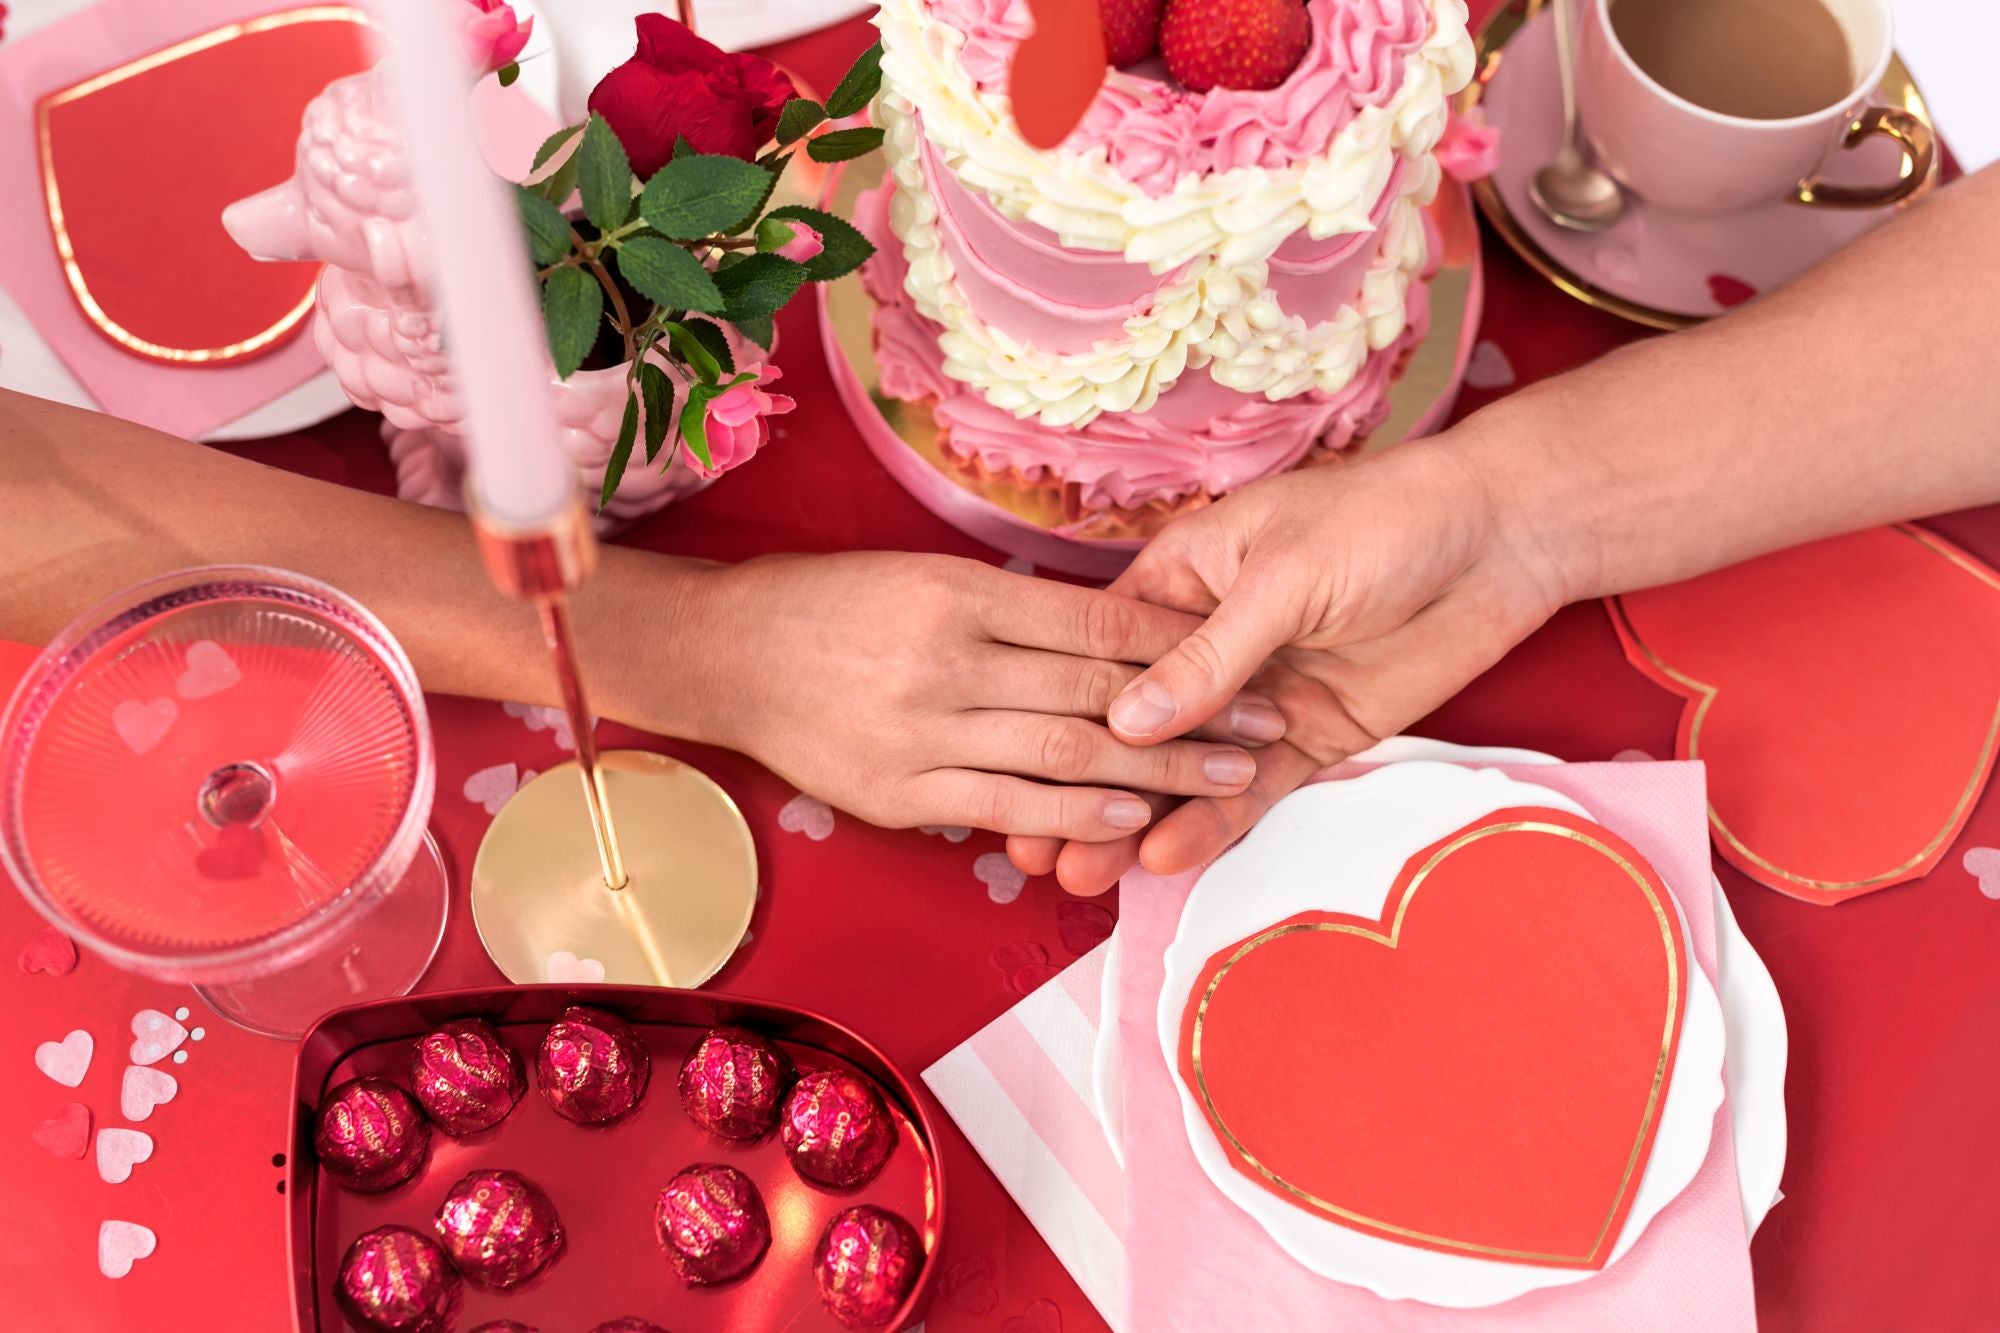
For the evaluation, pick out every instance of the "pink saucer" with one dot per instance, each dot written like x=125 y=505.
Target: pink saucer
x=1654 y=266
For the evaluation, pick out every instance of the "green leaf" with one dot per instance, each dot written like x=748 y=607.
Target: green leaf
x=571 y=304
x=553 y=144
x=840 y=145
x=548 y=230
x=759 y=286
x=621 y=453
x=657 y=388
x=860 y=84
x=667 y=275
x=846 y=248
x=694 y=350
x=508 y=73
x=798 y=118
x=693 y=197
x=762 y=330
x=604 y=175
x=715 y=342
x=694 y=420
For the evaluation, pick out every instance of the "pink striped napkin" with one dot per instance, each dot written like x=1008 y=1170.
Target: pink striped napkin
x=1195 y=1262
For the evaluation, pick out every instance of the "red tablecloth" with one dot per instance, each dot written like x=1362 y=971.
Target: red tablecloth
x=1893 y=1189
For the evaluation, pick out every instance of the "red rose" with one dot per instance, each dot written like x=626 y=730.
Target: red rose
x=677 y=85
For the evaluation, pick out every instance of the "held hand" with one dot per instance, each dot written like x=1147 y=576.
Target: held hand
x=912 y=689
x=1358 y=597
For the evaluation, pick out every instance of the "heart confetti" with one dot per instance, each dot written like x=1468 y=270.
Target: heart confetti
x=1632 y=757
x=1003 y=880
x=953 y=833
x=808 y=815
x=156 y=1036
x=1983 y=864
x=50 y=951
x=119 y=1150
x=66 y=1061
x=210 y=670
x=1729 y=292
x=144 y=1089
x=237 y=853
x=1014 y=564
x=540 y=717
x=968 y=1286
x=1011 y=957
x=143 y=726
x=1083 y=926
x=1041 y=1317
x=122 y=1244
x=66 y=1133
x=565 y=967
x=493 y=787
x=1489 y=367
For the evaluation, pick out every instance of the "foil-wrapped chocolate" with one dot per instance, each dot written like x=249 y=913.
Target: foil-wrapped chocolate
x=867 y=1262
x=505 y=1326
x=466 y=1076
x=836 y=1129
x=498 y=1228
x=733 y=1082
x=371 y=1135
x=711 y=1221
x=395 y=1280
x=592 y=1066
x=630 y=1323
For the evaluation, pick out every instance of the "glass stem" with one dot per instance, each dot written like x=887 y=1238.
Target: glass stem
x=562 y=647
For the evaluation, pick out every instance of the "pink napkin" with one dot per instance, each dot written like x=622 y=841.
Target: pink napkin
x=1196 y=1262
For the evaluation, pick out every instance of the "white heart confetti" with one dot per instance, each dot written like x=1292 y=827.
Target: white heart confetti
x=143 y=726
x=1014 y=564
x=564 y=966
x=1489 y=367
x=144 y=1089
x=492 y=787
x=210 y=670
x=154 y=1036
x=119 y=1150
x=65 y=1061
x=540 y=717
x=122 y=1244
x=808 y=815
x=1002 y=878
x=953 y=833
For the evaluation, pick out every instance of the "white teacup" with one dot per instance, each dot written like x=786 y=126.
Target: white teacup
x=1680 y=156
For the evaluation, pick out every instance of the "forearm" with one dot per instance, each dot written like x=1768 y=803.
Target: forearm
x=90 y=504
x=1861 y=394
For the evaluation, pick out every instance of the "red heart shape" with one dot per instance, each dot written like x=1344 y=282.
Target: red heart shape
x=189 y=130
x=1083 y=926
x=1041 y=1317
x=50 y=951
x=1057 y=70
x=237 y=853
x=1729 y=292
x=968 y=1286
x=66 y=1133
x=1478 y=1072
x=1845 y=696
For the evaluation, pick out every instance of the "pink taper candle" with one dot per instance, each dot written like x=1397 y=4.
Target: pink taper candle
x=492 y=321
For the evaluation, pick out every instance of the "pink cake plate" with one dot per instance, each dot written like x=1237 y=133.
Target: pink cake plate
x=905 y=438
x=1662 y=269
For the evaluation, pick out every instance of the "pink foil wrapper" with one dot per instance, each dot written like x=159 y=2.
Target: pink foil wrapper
x=733 y=1083
x=466 y=1077
x=867 y=1261
x=395 y=1280
x=499 y=1229
x=836 y=1129
x=371 y=1135
x=711 y=1221
x=592 y=1067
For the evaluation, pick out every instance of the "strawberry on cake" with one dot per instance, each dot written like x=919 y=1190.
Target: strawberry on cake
x=1217 y=273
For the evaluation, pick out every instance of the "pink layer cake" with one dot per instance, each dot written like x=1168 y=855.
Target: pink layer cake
x=1194 y=290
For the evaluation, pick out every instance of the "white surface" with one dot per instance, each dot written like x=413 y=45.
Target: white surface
x=1284 y=867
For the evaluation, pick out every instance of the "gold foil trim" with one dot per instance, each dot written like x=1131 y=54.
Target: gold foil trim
x=1704 y=695
x=52 y=193
x=1392 y=940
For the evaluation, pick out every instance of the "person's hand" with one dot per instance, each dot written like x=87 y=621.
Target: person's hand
x=1357 y=596
x=917 y=689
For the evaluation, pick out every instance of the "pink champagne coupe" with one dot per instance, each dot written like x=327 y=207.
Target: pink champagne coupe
x=223 y=776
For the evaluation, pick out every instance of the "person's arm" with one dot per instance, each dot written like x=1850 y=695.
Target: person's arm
x=1860 y=394
x=906 y=689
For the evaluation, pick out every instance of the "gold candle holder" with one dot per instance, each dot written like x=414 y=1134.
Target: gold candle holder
x=663 y=899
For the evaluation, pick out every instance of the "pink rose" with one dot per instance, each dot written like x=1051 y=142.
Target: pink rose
x=788 y=238
x=493 y=37
x=736 y=422
x=1470 y=148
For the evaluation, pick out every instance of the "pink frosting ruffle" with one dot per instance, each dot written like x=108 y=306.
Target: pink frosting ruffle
x=1155 y=132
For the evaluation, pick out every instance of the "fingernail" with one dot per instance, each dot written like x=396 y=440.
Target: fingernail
x=1229 y=769
x=1255 y=720
x=1143 y=709
x=1126 y=813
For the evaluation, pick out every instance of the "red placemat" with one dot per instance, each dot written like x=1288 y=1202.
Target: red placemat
x=1893 y=1190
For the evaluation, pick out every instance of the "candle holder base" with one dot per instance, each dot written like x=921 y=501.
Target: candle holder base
x=539 y=898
